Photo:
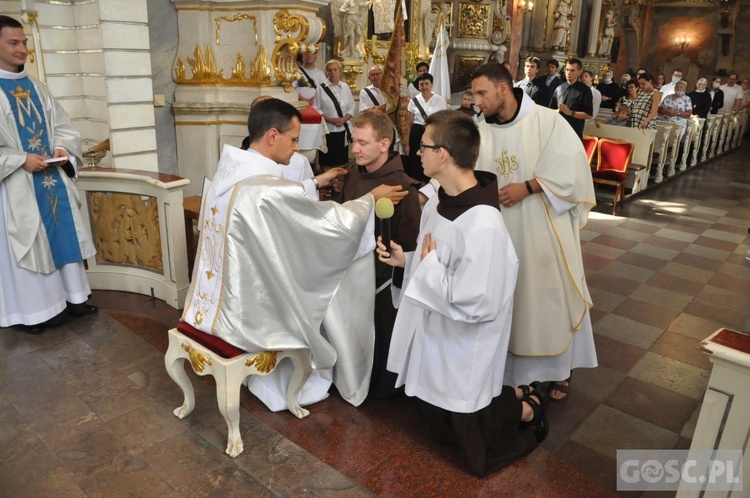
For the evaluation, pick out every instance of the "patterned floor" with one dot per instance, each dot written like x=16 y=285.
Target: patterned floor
x=85 y=409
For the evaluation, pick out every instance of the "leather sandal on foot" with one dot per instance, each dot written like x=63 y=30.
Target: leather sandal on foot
x=561 y=388
x=538 y=423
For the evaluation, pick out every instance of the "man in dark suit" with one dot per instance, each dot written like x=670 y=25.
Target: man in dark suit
x=534 y=86
x=552 y=80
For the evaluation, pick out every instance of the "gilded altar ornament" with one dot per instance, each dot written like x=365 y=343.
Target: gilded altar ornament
x=264 y=362
x=287 y=47
x=238 y=17
x=205 y=72
x=473 y=20
x=197 y=359
x=500 y=23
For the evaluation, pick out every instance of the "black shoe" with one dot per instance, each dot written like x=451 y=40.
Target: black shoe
x=33 y=329
x=53 y=322
x=81 y=309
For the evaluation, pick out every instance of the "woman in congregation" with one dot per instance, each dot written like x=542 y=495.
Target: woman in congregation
x=717 y=95
x=700 y=98
x=676 y=107
x=631 y=93
x=333 y=99
x=421 y=106
x=644 y=109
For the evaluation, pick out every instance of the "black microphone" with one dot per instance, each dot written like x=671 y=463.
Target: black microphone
x=384 y=211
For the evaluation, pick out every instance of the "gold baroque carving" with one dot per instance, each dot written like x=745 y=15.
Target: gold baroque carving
x=197 y=359
x=126 y=230
x=264 y=362
x=465 y=65
x=238 y=17
x=284 y=56
x=205 y=72
x=473 y=20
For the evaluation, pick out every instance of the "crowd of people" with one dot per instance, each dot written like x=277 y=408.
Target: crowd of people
x=645 y=98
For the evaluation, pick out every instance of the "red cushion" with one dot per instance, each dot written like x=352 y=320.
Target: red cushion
x=215 y=344
x=614 y=156
x=311 y=116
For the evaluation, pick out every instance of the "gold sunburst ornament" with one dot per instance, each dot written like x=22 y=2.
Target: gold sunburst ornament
x=264 y=362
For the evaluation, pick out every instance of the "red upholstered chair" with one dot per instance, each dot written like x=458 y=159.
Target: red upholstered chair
x=229 y=365
x=612 y=166
x=589 y=144
x=310 y=115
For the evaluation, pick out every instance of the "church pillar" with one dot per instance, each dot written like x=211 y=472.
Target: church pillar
x=596 y=12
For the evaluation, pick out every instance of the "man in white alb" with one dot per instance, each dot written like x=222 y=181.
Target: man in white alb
x=42 y=235
x=546 y=193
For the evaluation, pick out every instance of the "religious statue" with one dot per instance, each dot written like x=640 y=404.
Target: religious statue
x=563 y=16
x=610 y=21
x=355 y=18
x=430 y=17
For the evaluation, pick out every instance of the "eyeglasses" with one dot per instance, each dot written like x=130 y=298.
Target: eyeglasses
x=295 y=140
x=422 y=147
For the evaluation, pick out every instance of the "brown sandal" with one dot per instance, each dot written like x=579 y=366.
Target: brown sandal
x=561 y=388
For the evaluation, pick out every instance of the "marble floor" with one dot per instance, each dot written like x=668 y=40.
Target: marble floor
x=85 y=409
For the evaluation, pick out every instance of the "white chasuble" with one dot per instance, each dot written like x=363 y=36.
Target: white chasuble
x=271 y=261
x=551 y=297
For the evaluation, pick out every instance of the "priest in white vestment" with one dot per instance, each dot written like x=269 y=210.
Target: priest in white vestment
x=272 y=265
x=450 y=339
x=42 y=235
x=546 y=193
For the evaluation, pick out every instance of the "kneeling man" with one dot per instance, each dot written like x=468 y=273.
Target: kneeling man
x=451 y=334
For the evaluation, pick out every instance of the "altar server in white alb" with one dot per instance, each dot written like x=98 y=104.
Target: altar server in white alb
x=546 y=193
x=42 y=236
x=450 y=339
x=273 y=265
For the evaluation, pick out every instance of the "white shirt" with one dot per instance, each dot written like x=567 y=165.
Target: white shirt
x=596 y=100
x=324 y=105
x=666 y=89
x=435 y=104
x=365 y=102
x=299 y=170
x=305 y=92
x=731 y=94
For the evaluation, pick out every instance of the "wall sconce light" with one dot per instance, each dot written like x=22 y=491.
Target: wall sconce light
x=524 y=5
x=682 y=42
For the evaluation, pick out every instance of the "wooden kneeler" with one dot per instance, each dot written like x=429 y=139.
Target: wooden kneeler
x=209 y=355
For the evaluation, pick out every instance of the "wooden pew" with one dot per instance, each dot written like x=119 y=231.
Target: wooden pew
x=642 y=152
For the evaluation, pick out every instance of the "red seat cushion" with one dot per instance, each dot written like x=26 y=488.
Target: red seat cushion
x=589 y=144
x=215 y=344
x=311 y=116
x=614 y=156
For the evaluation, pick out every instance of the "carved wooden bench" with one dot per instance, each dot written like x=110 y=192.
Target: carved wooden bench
x=209 y=355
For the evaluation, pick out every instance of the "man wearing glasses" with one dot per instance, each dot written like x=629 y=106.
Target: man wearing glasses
x=271 y=259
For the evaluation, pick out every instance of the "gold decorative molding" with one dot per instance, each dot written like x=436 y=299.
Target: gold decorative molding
x=205 y=72
x=197 y=359
x=264 y=362
x=238 y=17
x=284 y=56
x=473 y=20
x=464 y=67
x=126 y=230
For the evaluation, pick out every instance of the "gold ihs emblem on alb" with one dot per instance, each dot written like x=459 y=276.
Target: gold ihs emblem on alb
x=506 y=164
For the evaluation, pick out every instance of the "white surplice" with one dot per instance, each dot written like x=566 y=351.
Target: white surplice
x=451 y=333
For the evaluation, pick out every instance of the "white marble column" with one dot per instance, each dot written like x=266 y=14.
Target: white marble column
x=596 y=14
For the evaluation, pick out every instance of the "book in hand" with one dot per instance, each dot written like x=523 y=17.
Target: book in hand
x=53 y=160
